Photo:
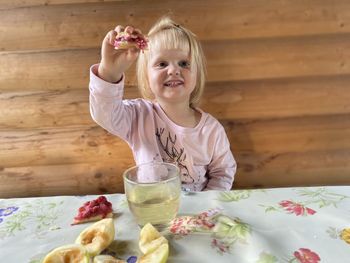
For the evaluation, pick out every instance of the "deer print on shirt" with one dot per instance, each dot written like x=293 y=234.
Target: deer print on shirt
x=174 y=155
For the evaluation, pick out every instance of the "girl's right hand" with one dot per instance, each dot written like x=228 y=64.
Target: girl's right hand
x=115 y=62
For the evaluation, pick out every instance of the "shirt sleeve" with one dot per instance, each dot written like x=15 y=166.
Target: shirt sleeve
x=107 y=107
x=223 y=166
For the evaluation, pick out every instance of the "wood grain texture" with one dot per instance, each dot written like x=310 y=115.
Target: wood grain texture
x=227 y=61
x=90 y=144
x=255 y=171
x=280 y=136
x=278 y=81
x=63 y=179
x=84 y=25
x=66 y=145
x=241 y=100
x=269 y=153
x=314 y=168
x=10 y=4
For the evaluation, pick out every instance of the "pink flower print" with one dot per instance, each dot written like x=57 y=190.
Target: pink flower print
x=186 y=224
x=204 y=220
x=296 y=208
x=305 y=255
x=310 y=211
x=220 y=245
x=181 y=225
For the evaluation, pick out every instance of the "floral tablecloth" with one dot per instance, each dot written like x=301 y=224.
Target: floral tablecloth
x=307 y=225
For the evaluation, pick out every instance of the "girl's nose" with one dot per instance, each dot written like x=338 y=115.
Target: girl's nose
x=173 y=70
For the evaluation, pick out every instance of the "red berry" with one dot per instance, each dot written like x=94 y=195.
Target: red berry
x=93 y=203
x=102 y=199
x=95 y=209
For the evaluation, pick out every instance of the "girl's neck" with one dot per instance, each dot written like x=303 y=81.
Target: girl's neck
x=181 y=114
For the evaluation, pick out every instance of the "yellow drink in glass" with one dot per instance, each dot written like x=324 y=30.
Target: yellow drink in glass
x=153 y=193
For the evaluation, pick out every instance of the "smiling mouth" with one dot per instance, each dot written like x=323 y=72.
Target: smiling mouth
x=174 y=83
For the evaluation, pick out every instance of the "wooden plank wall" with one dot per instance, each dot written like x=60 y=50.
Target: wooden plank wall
x=278 y=79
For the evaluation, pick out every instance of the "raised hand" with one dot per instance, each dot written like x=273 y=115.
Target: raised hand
x=114 y=62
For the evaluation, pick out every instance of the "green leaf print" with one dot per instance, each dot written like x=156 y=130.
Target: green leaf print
x=227 y=227
x=41 y=215
x=270 y=209
x=333 y=232
x=266 y=258
x=234 y=196
x=237 y=195
x=227 y=232
x=321 y=196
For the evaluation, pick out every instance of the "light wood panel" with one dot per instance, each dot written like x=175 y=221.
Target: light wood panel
x=10 y=4
x=227 y=61
x=255 y=171
x=84 y=25
x=278 y=58
x=44 y=109
x=67 y=145
x=55 y=70
x=303 y=134
x=64 y=179
x=252 y=100
x=88 y=144
x=278 y=80
x=293 y=169
x=278 y=98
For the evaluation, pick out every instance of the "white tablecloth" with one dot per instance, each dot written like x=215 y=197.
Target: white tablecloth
x=307 y=225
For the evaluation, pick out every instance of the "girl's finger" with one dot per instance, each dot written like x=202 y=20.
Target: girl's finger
x=138 y=31
x=129 y=30
x=111 y=37
x=119 y=28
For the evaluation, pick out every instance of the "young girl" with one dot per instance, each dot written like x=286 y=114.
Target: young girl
x=166 y=125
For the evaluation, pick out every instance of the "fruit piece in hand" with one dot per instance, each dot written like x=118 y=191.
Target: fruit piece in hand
x=160 y=255
x=94 y=210
x=107 y=259
x=97 y=237
x=125 y=41
x=68 y=253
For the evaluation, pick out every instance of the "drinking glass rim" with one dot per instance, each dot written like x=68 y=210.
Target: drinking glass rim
x=149 y=163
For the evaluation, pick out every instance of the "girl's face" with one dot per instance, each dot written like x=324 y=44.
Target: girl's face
x=171 y=76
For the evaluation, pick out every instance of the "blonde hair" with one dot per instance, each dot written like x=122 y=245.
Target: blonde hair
x=169 y=35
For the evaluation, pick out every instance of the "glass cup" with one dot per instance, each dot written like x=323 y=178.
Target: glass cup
x=153 y=193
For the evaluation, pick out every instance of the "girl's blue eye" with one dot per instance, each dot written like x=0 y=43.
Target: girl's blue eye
x=184 y=64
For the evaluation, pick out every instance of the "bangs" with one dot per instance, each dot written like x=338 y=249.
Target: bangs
x=167 y=35
x=171 y=38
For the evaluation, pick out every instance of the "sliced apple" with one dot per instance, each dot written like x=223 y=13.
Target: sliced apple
x=69 y=253
x=160 y=255
x=153 y=245
x=150 y=239
x=107 y=259
x=97 y=237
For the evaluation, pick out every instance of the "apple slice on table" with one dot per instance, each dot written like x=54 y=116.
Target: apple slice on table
x=153 y=245
x=69 y=253
x=107 y=259
x=97 y=237
x=150 y=239
x=160 y=255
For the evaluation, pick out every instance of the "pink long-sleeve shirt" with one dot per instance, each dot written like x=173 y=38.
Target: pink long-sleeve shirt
x=202 y=153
